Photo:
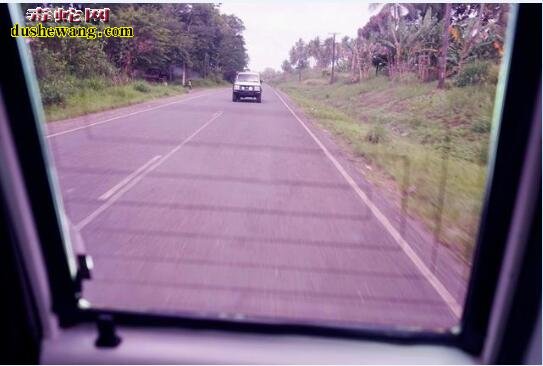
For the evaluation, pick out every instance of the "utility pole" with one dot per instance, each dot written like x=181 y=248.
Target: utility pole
x=333 y=55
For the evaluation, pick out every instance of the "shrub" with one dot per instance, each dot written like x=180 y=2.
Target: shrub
x=55 y=91
x=142 y=86
x=315 y=82
x=408 y=78
x=95 y=83
x=47 y=62
x=215 y=77
x=474 y=73
x=202 y=83
x=51 y=95
x=377 y=134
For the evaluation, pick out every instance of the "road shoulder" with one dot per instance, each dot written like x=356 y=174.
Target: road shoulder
x=445 y=265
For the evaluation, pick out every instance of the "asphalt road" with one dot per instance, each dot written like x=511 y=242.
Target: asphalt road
x=198 y=205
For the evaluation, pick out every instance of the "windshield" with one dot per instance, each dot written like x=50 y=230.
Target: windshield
x=348 y=190
x=248 y=77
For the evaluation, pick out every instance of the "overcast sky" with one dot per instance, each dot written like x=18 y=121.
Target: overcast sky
x=272 y=27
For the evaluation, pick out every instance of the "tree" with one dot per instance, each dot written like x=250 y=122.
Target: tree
x=431 y=39
x=400 y=33
x=349 y=48
x=477 y=32
x=299 y=57
x=333 y=58
x=471 y=35
x=232 y=53
x=326 y=52
x=314 y=50
x=406 y=33
x=268 y=74
x=148 y=47
x=167 y=36
x=286 y=67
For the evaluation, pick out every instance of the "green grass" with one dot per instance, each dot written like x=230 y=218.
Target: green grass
x=416 y=139
x=95 y=95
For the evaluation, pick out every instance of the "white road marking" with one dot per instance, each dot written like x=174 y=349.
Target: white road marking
x=125 y=115
x=87 y=220
x=451 y=302
x=126 y=180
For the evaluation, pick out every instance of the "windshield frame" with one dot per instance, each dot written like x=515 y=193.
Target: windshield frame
x=63 y=285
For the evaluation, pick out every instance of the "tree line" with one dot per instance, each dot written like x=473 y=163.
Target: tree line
x=434 y=41
x=196 y=37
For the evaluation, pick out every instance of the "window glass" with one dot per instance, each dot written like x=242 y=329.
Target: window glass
x=247 y=77
x=348 y=191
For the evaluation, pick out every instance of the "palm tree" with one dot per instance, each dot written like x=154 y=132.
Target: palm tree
x=314 y=50
x=298 y=57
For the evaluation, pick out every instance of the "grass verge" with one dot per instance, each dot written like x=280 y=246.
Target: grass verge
x=95 y=95
x=428 y=146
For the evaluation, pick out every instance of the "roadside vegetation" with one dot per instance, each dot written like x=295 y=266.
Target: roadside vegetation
x=98 y=94
x=412 y=145
x=411 y=98
x=173 y=43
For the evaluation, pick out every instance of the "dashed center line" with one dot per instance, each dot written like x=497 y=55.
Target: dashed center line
x=126 y=180
x=126 y=187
